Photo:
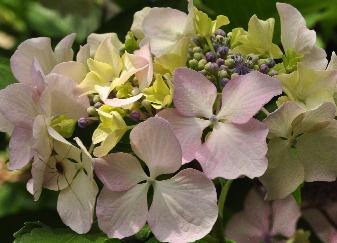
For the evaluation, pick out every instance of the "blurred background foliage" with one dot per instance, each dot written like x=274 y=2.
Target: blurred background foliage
x=23 y=19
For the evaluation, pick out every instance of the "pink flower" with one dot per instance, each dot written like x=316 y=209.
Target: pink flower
x=184 y=207
x=261 y=220
x=237 y=143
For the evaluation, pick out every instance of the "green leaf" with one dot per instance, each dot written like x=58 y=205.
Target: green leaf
x=35 y=232
x=297 y=194
x=207 y=239
x=6 y=76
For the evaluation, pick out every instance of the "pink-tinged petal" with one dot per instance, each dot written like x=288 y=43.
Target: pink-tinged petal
x=119 y=171
x=137 y=24
x=20 y=148
x=17 y=105
x=318 y=152
x=252 y=223
x=233 y=150
x=153 y=141
x=244 y=96
x=188 y=131
x=56 y=100
x=163 y=27
x=22 y=59
x=315 y=119
x=293 y=26
x=75 y=71
x=321 y=226
x=173 y=217
x=285 y=215
x=144 y=76
x=38 y=84
x=5 y=125
x=280 y=121
x=38 y=168
x=286 y=172
x=76 y=203
x=194 y=94
x=122 y=214
x=115 y=102
x=63 y=51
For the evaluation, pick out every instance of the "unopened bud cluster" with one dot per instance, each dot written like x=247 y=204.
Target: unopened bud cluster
x=219 y=64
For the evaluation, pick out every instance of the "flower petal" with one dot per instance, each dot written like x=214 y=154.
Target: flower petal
x=286 y=174
x=163 y=27
x=232 y=150
x=63 y=51
x=17 y=105
x=20 y=148
x=194 y=94
x=318 y=153
x=188 y=131
x=280 y=121
x=244 y=96
x=5 y=125
x=285 y=215
x=153 y=141
x=144 y=76
x=172 y=216
x=75 y=71
x=137 y=24
x=119 y=171
x=122 y=214
x=76 y=203
x=94 y=40
x=115 y=102
x=22 y=59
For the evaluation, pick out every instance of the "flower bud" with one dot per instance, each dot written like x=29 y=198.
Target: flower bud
x=92 y=111
x=193 y=64
x=96 y=98
x=210 y=56
x=220 y=32
x=197 y=56
x=224 y=81
x=135 y=116
x=201 y=64
x=264 y=68
x=229 y=62
x=83 y=122
x=220 y=61
x=211 y=67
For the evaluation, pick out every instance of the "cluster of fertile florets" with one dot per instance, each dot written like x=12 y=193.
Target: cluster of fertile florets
x=178 y=90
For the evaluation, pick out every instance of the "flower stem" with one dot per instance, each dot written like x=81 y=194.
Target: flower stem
x=265 y=111
x=223 y=196
x=210 y=44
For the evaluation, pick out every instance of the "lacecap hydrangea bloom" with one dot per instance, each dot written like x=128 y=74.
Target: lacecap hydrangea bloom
x=148 y=134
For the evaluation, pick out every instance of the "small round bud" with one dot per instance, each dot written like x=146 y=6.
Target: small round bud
x=83 y=122
x=272 y=72
x=201 y=64
x=229 y=34
x=262 y=61
x=223 y=74
x=211 y=78
x=98 y=105
x=210 y=56
x=220 y=32
x=197 y=56
x=220 y=61
x=220 y=39
x=92 y=111
x=264 y=68
x=229 y=62
x=211 y=67
x=193 y=63
x=223 y=67
x=135 y=115
x=234 y=75
x=197 y=49
x=224 y=81
x=256 y=67
x=96 y=98
x=203 y=72
x=270 y=62
x=222 y=51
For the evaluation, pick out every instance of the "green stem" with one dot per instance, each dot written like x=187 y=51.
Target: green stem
x=210 y=44
x=223 y=197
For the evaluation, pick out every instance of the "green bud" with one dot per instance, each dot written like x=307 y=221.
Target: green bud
x=193 y=64
x=223 y=74
x=92 y=111
x=201 y=64
x=96 y=98
x=130 y=42
x=219 y=39
x=229 y=62
x=197 y=49
x=63 y=125
x=256 y=67
x=198 y=56
x=262 y=61
x=211 y=78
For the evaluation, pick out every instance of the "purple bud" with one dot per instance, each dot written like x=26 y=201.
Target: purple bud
x=224 y=81
x=264 y=68
x=212 y=67
x=210 y=56
x=220 y=32
x=271 y=62
x=222 y=51
x=220 y=61
x=223 y=67
x=135 y=115
x=98 y=105
x=83 y=122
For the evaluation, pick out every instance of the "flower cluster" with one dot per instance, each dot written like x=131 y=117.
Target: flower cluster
x=178 y=90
